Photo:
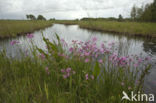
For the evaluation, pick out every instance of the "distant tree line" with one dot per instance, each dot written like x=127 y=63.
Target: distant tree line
x=145 y=13
x=32 y=17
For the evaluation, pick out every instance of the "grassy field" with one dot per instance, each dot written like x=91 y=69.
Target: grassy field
x=83 y=74
x=12 y=28
x=129 y=28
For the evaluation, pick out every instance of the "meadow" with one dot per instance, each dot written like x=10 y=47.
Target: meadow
x=13 y=28
x=79 y=73
x=145 y=29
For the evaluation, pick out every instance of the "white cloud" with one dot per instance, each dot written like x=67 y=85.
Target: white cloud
x=67 y=9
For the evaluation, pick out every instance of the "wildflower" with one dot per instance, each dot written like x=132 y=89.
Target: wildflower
x=102 y=45
x=14 y=42
x=148 y=58
x=42 y=56
x=94 y=39
x=140 y=60
x=86 y=76
x=102 y=50
x=68 y=74
x=96 y=55
x=111 y=44
x=71 y=49
x=86 y=60
x=30 y=36
x=100 y=61
x=136 y=65
x=64 y=76
x=68 y=70
x=87 y=53
x=62 y=70
x=74 y=41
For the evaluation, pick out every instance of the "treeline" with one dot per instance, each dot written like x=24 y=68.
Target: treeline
x=145 y=13
x=120 y=18
x=32 y=17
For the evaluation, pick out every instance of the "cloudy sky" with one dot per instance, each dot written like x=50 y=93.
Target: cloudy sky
x=67 y=9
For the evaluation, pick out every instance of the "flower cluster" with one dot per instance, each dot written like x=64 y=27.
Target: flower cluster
x=14 y=42
x=67 y=72
x=87 y=77
x=30 y=36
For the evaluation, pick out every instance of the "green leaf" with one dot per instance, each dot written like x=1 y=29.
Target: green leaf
x=96 y=71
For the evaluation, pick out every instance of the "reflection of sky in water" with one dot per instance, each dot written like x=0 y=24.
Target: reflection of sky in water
x=125 y=45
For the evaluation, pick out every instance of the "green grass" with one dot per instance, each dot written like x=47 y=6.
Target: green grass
x=12 y=28
x=127 y=28
x=38 y=79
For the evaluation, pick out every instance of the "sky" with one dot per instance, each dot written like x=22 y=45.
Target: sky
x=67 y=9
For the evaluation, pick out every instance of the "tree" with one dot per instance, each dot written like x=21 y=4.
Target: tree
x=30 y=17
x=133 y=13
x=120 y=18
x=40 y=17
x=139 y=12
x=149 y=12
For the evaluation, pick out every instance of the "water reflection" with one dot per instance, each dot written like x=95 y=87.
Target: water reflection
x=125 y=45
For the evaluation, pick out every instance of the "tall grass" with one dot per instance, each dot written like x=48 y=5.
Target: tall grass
x=127 y=28
x=81 y=73
x=12 y=28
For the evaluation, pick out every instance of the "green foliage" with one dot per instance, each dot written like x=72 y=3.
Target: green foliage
x=96 y=71
x=12 y=28
x=120 y=18
x=32 y=79
x=134 y=13
x=41 y=17
x=147 y=13
x=31 y=17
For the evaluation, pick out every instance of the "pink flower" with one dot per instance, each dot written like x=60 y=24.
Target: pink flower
x=14 y=42
x=111 y=44
x=96 y=55
x=42 y=56
x=65 y=76
x=148 y=58
x=94 y=39
x=86 y=60
x=86 y=53
x=86 y=76
x=102 y=45
x=68 y=74
x=140 y=60
x=71 y=49
x=62 y=70
x=136 y=65
x=30 y=36
x=68 y=70
x=100 y=61
x=74 y=41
